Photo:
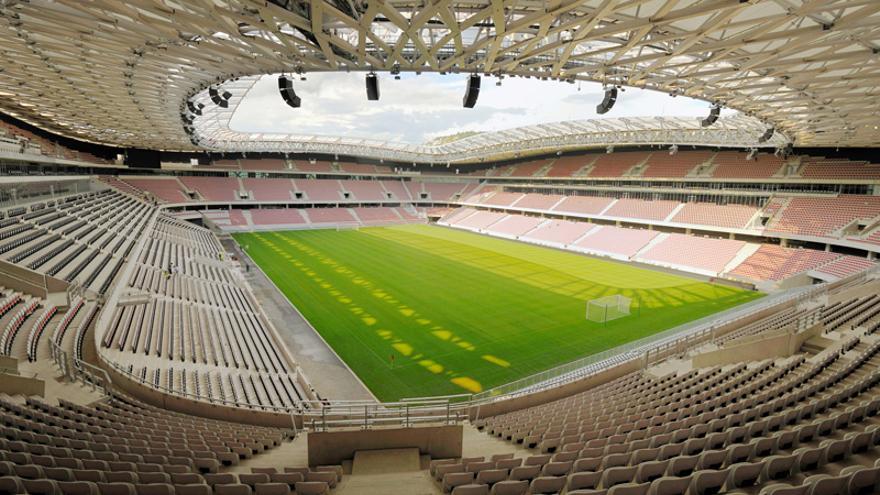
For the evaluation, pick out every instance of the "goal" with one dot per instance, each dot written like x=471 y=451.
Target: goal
x=347 y=226
x=608 y=308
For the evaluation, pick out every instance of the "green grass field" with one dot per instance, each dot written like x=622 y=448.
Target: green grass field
x=461 y=312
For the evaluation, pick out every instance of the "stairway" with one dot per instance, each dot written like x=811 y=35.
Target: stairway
x=816 y=345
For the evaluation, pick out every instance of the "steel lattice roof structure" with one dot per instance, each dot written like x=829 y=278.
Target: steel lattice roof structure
x=120 y=72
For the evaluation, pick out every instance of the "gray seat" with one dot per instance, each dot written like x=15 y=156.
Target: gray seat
x=232 y=489
x=583 y=480
x=116 y=489
x=253 y=478
x=547 y=484
x=193 y=489
x=670 y=485
x=11 y=485
x=473 y=489
x=78 y=488
x=154 y=489
x=312 y=488
x=491 y=476
x=272 y=489
x=509 y=487
x=452 y=480
x=744 y=474
x=708 y=481
x=630 y=489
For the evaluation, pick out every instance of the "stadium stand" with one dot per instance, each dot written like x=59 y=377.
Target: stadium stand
x=165 y=189
x=609 y=240
x=269 y=189
x=638 y=208
x=700 y=253
x=729 y=216
x=798 y=215
x=213 y=188
x=678 y=165
x=264 y=164
x=276 y=216
x=776 y=263
x=319 y=190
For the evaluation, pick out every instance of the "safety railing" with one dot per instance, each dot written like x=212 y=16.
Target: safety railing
x=366 y=415
x=77 y=369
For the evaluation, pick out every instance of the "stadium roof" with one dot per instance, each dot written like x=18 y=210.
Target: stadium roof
x=215 y=133
x=119 y=72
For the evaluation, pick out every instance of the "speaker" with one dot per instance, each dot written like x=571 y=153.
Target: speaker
x=193 y=108
x=608 y=101
x=713 y=116
x=285 y=87
x=216 y=98
x=372 y=87
x=472 y=91
x=767 y=135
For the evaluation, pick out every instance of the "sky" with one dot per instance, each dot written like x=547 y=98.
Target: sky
x=420 y=108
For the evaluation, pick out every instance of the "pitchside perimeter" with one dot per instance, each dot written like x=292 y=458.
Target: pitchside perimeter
x=419 y=310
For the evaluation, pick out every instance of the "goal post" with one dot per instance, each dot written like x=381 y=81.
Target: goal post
x=608 y=308
x=347 y=226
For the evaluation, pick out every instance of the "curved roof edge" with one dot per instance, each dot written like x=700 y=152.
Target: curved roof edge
x=215 y=134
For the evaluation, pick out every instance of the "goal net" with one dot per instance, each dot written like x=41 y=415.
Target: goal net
x=608 y=308
x=347 y=226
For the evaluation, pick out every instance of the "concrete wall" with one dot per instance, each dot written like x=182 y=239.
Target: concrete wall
x=29 y=282
x=782 y=344
x=333 y=447
x=8 y=364
x=20 y=385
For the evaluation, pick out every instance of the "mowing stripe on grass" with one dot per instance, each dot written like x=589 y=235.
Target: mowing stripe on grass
x=420 y=310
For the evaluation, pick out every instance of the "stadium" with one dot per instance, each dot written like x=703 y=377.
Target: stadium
x=620 y=247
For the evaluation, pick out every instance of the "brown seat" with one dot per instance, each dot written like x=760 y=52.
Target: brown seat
x=116 y=489
x=78 y=488
x=312 y=488
x=41 y=487
x=154 y=489
x=232 y=489
x=272 y=489
x=193 y=489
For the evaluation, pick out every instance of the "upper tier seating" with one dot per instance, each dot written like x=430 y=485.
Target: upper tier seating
x=586 y=205
x=732 y=164
x=319 y=190
x=165 y=189
x=663 y=164
x=397 y=189
x=616 y=164
x=264 y=164
x=729 y=216
x=642 y=209
x=213 y=188
x=226 y=164
x=777 y=263
x=799 y=216
x=695 y=252
x=365 y=190
x=528 y=169
x=833 y=168
x=269 y=189
x=438 y=191
x=318 y=166
x=569 y=166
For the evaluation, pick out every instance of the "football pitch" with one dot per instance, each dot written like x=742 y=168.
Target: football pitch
x=420 y=310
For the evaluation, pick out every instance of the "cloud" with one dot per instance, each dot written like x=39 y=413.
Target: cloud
x=416 y=109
